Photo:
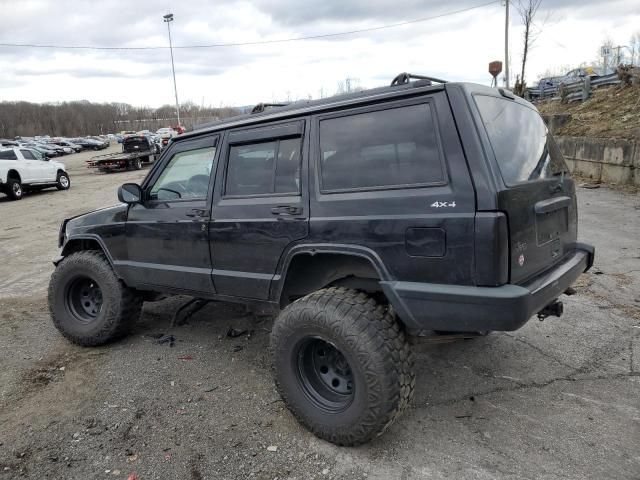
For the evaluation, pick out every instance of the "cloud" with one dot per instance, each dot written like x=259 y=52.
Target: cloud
x=455 y=47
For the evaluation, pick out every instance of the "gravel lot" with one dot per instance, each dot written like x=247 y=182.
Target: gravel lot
x=556 y=399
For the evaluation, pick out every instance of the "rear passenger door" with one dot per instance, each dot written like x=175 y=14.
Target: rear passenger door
x=260 y=206
x=392 y=178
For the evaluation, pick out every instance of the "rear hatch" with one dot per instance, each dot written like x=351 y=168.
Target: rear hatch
x=537 y=194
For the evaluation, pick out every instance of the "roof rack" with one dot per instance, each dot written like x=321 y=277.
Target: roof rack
x=405 y=77
x=261 y=107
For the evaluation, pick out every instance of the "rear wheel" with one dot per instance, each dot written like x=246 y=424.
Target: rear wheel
x=342 y=365
x=137 y=164
x=63 y=182
x=14 y=189
x=89 y=305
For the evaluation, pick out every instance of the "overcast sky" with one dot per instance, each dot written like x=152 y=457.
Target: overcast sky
x=455 y=47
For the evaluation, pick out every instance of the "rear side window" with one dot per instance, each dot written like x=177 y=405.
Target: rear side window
x=264 y=168
x=523 y=148
x=390 y=148
x=8 y=155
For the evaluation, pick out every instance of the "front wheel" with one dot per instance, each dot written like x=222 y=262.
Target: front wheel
x=342 y=365
x=89 y=305
x=63 y=182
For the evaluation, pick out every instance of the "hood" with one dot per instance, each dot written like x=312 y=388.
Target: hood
x=109 y=215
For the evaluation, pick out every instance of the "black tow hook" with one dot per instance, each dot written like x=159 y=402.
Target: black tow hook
x=554 y=309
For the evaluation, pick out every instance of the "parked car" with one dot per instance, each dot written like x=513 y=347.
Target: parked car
x=166 y=134
x=46 y=152
x=360 y=220
x=8 y=143
x=23 y=169
x=578 y=74
x=89 y=144
x=100 y=140
x=66 y=143
x=52 y=146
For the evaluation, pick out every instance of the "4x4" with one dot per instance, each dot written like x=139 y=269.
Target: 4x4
x=359 y=219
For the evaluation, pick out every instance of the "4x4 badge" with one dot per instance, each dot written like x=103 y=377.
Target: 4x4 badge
x=521 y=260
x=443 y=204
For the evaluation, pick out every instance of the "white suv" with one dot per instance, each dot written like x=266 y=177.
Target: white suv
x=23 y=169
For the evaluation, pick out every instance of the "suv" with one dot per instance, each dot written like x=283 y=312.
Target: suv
x=140 y=143
x=359 y=220
x=23 y=168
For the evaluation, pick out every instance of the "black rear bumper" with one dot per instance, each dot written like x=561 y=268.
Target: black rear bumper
x=424 y=306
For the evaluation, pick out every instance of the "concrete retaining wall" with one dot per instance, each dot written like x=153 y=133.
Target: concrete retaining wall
x=610 y=161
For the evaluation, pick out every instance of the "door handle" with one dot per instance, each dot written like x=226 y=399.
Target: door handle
x=198 y=213
x=286 y=210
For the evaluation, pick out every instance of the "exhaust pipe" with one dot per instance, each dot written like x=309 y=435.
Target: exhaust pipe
x=555 y=309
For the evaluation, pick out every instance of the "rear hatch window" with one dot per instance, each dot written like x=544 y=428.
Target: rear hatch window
x=539 y=197
x=135 y=144
x=523 y=148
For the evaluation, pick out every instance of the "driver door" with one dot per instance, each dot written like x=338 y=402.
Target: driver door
x=35 y=171
x=168 y=233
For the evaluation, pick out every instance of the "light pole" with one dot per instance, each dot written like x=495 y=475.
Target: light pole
x=168 y=18
x=506 y=44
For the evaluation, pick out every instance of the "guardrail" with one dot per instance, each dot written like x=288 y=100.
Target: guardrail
x=574 y=91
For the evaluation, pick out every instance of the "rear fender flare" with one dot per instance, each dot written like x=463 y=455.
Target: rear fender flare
x=315 y=249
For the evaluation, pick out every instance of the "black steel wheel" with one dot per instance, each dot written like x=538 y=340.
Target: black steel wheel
x=325 y=375
x=342 y=365
x=88 y=303
x=84 y=299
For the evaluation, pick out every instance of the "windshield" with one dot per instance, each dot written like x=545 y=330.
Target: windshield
x=523 y=147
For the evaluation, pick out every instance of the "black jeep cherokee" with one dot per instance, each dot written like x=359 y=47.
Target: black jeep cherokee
x=359 y=219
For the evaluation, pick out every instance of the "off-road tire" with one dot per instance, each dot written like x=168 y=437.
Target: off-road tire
x=372 y=343
x=120 y=308
x=60 y=184
x=14 y=189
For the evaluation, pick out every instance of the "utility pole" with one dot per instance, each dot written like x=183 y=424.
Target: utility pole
x=168 y=18
x=506 y=43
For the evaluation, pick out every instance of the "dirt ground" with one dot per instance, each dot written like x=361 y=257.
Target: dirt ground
x=555 y=400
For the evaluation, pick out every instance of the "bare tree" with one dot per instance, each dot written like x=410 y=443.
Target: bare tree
x=634 y=46
x=528 y=10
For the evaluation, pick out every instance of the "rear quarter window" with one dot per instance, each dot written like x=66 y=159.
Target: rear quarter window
x=524 y=149
x=393 y=148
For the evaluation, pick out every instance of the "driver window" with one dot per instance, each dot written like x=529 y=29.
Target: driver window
x=27 y=155
x=186 y=176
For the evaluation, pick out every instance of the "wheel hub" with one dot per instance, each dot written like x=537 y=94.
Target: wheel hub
x=325 y=375
x=84 y=299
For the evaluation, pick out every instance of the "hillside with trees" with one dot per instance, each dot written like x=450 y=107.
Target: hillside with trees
x=69 y=119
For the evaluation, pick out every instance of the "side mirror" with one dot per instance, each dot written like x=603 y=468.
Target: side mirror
x=130 y=193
